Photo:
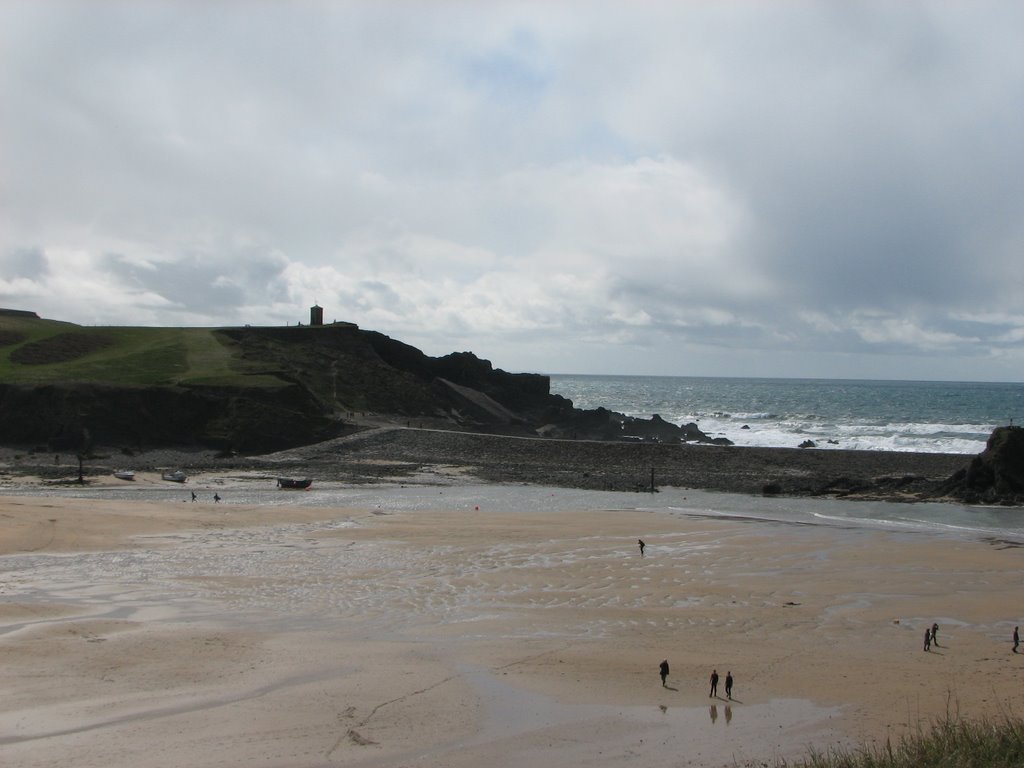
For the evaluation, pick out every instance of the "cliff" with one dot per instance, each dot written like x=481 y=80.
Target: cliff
x=260 y=389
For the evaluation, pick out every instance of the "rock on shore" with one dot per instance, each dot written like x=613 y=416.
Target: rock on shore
x=996 y=475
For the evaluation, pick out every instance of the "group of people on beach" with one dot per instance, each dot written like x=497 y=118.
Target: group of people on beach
x=931 y=637
x=714 y=685
x=663 y=670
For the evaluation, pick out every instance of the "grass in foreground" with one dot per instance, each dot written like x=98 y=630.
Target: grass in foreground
x=951 y=743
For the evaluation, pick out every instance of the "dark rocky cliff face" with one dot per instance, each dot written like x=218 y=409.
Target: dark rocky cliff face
x=65 y=417
x=330 y=379
x=996 y=475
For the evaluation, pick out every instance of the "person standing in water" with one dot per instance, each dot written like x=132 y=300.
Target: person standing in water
x=728 y=685
x=663 y=668
x=640 y=543
x=1016 y=638
x=714 y=684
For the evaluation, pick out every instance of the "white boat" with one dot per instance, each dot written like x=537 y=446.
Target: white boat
x=175 y=477
x=124 y=474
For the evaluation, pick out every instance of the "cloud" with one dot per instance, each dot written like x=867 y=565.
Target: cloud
x=786 y=188
x=27 y=264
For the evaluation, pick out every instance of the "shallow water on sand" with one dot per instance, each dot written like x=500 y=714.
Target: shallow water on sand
x=721 y=731
x=933 y=518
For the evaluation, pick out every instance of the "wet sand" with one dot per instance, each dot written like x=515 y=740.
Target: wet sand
x=169 y=634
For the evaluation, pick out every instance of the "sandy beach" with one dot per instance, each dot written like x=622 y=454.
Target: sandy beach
x=167 y=633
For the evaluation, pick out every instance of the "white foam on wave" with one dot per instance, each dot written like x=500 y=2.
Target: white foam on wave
x=902 y=437
x=932 y=417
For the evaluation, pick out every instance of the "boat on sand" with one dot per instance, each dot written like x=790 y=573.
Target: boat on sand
x=294 y=483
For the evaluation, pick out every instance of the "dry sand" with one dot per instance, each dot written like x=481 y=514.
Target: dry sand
x=158 y=635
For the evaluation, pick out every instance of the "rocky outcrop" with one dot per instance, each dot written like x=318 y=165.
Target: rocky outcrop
x=603 y=424
x=356 y=371
x=285 y=387
x=994 y=476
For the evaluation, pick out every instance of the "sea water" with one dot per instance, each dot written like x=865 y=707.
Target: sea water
x=925 y=416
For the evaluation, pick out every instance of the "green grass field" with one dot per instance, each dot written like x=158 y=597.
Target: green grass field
x=36 y=351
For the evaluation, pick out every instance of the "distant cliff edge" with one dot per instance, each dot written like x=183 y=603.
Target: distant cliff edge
x=260 y=389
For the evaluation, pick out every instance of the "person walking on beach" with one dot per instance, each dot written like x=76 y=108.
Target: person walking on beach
x=663 y=668
x=935 y=635
x=193 y=496
x=714 y=684
x=927 y=638
x=1016 y=638
x=643 y=546
x=728 y=685
x=216 y=497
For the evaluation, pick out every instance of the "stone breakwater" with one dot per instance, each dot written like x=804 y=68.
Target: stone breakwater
x=391 y=454
x=628 y=466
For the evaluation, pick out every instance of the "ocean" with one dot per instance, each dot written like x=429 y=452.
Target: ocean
x=925 y=416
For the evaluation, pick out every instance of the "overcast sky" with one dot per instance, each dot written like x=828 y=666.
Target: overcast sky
x=824 y=189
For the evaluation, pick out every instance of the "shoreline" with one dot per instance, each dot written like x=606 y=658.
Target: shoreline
x=156 y=633
x=386 y=454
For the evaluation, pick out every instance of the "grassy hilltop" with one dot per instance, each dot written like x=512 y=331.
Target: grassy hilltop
x=248 y=389
x=37 y=351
